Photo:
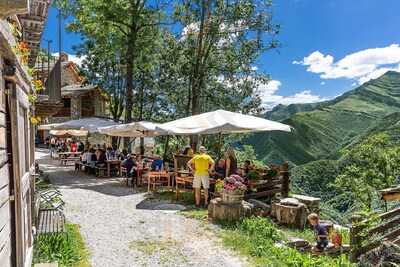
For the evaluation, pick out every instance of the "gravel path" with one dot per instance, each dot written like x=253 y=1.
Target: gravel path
x=118 y=234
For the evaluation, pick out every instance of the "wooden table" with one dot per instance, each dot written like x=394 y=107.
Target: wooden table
x=111 y=163
x=62 y=155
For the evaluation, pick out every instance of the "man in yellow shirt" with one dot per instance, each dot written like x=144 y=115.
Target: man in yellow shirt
x=201 y=165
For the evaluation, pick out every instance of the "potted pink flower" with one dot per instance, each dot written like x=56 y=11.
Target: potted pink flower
x=234 y=189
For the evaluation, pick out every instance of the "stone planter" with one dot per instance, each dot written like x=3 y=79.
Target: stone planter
x=230 y=197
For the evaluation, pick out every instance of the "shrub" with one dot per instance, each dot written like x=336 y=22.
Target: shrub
x=65 y=248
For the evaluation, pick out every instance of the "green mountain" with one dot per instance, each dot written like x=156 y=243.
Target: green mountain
x=282 y=112
x=322 y=129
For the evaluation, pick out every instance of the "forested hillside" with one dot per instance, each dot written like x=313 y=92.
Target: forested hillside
x=328 y=126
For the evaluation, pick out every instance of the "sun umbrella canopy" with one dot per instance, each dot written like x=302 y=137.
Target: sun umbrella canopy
x=221 y=121
x=134 y=129
x=47 y=126
x=68 y=133
x=90 y=125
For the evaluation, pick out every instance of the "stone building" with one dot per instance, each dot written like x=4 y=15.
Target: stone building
x=21 y=26
x=77 y=100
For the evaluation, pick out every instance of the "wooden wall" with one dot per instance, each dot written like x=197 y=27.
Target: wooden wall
x=5 y=220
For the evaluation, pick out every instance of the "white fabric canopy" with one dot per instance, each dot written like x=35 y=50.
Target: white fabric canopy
x=221 y=121
x=68 y=132
x=134 y=129
x=91 y=125
x=47 y=126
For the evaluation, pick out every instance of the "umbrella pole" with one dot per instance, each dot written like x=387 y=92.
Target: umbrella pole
x=166 y=147
x=219 y=145
x=87 y=140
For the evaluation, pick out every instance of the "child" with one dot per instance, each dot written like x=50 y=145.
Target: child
x=321 y=234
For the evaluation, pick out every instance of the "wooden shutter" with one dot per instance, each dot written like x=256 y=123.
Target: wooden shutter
x=20 y=129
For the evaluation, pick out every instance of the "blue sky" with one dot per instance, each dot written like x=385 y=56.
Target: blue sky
x=327 y=47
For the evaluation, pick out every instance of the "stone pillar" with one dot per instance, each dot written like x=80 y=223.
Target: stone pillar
x=76 y=107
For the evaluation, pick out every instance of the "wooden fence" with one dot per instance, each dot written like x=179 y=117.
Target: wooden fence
x=364 y=238
x=270 y=187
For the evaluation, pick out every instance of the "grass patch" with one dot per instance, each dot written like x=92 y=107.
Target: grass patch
x=258 y=239
x=167 y=251
x=306 y=234
x=68 y=249
x=199 y=214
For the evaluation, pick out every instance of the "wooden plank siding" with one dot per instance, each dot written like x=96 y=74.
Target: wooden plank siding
x=5 y=216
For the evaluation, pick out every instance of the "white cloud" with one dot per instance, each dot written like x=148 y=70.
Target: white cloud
x=74 y=58
x=77 y=60
x=322 y=83
x=362 y=65
x=271 y=99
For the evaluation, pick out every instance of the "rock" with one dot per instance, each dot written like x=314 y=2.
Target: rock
x=218 y=210
x=290 y=201
x=260 y=205
x=295 y=242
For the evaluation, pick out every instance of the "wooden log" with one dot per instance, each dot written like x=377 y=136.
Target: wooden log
x=220 y=211
x=295 y=216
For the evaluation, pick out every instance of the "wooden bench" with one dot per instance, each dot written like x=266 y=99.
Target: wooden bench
x=50 y=221
x=64 y=161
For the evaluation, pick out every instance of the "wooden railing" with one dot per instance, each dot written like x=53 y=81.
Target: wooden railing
x=364 y=238
x=278 y=184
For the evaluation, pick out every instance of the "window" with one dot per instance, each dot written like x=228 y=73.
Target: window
x=67 y=102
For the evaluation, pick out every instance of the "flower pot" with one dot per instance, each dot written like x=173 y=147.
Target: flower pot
x=232 y=197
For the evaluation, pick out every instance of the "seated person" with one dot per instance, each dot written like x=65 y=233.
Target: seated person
x=320 y=231
x=220 y=169
x=101 y=158
x=123 y=154
x=129 y=164
x=81 y=146
x=110 y=154
x=157 y=164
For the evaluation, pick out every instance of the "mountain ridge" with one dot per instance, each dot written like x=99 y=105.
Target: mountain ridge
x=323 y=128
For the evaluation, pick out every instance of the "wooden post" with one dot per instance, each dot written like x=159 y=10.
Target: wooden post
x=355 y=229
x=285 y=179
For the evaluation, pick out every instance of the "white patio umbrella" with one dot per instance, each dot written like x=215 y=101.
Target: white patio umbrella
x=47 y=126
x=221 y=122
x=134 y=129
x=68 y=132
x=91 y=125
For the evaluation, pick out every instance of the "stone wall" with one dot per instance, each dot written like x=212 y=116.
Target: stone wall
x=9 y=7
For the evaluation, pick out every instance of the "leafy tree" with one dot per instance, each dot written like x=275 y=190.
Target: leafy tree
x=369 y=166
x=126 y=25
x=220 y=41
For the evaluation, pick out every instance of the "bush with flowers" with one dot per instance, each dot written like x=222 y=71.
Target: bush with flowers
x=22 y=50
x=234 y=184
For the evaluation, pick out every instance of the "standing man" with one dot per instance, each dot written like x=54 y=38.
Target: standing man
x=201 y=165
x=52 y=146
